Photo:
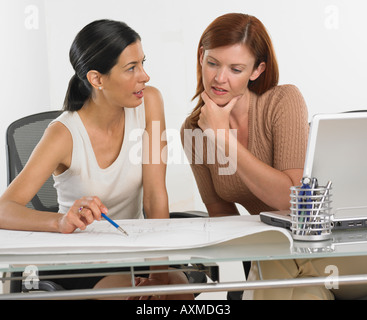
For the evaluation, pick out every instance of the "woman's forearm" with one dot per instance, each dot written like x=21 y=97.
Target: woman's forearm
x=156 y=205
x=14 y=216
x=268 y=184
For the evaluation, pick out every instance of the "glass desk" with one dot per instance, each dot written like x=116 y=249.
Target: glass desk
x=343 y=244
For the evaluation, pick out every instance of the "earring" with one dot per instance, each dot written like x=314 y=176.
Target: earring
x=100 y=88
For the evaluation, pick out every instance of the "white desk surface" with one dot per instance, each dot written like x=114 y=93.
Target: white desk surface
x=343 y=244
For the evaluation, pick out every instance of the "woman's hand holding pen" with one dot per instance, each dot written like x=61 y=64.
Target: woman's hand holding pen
x=81 y=214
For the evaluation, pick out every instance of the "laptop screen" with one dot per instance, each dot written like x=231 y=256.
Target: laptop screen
x=337 y=151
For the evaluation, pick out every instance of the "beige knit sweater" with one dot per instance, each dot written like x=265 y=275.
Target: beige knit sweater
x=278 y=133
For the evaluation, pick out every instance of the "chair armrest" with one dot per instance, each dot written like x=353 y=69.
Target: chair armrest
x=189 y=214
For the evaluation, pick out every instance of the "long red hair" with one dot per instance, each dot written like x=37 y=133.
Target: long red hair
x=231 y=29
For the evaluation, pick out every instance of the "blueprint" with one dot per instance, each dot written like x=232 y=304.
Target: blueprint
x=143 y=235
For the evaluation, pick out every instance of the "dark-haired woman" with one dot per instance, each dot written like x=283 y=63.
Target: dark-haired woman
x=91 y=148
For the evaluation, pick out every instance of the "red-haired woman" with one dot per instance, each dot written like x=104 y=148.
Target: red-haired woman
x=238 y=89
x=250 y=137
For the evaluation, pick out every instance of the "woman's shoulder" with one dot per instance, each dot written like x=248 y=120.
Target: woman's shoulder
x=187 y=124
x=279 y=101
x=153 y=102
x=59 y=129
x=150 y=90
x=282 y=95
x=152 y=95
x=56 y=141
x=283 y=91
x=188 y=129
x=67 y=118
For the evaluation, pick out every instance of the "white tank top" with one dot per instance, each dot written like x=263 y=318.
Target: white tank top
x=120 y=186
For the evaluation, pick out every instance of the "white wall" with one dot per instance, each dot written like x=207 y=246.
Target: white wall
x=320 y=45
x=24 y=70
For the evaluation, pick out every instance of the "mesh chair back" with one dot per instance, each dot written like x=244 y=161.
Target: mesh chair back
x=21 y=138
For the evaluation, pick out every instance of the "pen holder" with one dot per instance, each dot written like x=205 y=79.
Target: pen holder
x=311 y=213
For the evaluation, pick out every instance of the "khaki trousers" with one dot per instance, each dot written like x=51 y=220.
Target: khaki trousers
x=301 y=268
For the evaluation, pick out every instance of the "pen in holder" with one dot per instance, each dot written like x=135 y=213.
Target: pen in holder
x=311 y=211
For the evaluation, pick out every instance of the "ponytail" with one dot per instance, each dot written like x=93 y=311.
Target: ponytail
x=77 y=94
x=96 y=47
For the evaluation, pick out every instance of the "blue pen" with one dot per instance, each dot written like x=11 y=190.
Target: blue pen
x=114 y=224
x=305 y=191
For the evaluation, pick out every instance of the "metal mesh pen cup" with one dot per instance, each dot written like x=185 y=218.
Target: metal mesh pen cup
x=311 y=213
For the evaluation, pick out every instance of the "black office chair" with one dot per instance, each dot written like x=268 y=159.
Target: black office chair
x=21 y=138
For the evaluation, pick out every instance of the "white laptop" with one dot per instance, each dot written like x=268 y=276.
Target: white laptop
x=336 y=152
